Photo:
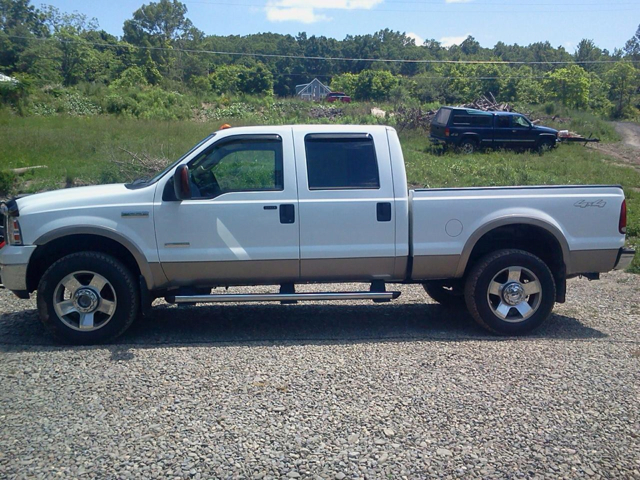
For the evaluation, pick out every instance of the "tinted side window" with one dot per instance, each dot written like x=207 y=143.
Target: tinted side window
x=237 y=166
x=442 y=117
x=341 y=161
x=503 y=121
x=472 y=120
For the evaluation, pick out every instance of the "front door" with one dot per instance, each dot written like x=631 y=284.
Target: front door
x=241 y=226
x=347 y=209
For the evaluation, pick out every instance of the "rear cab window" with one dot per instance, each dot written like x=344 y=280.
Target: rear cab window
x=341 y=161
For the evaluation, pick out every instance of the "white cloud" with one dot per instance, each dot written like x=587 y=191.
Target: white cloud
x=306 y=11
x=416 y=38
x=449 y=41
x=458 y=1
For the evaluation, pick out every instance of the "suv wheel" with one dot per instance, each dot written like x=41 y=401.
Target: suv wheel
x=468 y=146
x=545 y=146
x=87 y=298
x=510 y=292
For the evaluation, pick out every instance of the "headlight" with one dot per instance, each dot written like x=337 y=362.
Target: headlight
x=13 y=234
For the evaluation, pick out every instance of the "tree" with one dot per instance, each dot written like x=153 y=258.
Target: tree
x=158 y=25
x=375 y=84
x=18 y=19
x=623 y=80
x=570 y=85
x=164 y=21
x=632 y=47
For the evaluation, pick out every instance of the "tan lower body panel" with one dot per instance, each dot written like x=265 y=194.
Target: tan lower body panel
x=433 y=267
x=348 y=269
x=253 y=272
x=588 y=261
x=270 y=272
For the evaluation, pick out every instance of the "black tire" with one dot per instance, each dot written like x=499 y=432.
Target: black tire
x=468 y=146
x=121 y=288
x=545 y=146
x=484 y=305
x=446 y=294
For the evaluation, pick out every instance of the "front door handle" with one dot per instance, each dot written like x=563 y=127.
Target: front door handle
x=287 y=213
x=383 y=211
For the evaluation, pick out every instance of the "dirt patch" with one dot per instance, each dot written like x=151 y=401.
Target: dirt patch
x=627 y=151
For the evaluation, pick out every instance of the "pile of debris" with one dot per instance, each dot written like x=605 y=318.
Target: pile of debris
x=138 y=165
x=569 y=136
x=413 y=118
x=489 y=105
x=323 y=111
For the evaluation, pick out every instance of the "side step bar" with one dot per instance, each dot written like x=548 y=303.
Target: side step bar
x=280 y=297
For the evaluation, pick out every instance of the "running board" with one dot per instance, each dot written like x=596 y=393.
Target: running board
x=279 y=297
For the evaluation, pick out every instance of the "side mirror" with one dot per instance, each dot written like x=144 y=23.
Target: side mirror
x=182 y=183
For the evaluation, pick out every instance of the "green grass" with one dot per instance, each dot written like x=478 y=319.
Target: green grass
x=82 y=149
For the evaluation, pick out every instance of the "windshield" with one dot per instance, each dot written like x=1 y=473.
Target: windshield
x=143 y=182
x=521 y=121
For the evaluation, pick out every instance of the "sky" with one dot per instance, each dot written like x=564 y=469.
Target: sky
x=562 y=22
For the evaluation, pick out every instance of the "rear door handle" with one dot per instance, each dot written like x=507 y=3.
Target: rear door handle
x=287 y=213
x=383 y=211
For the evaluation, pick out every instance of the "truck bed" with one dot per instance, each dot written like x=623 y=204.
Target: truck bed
x=447 y=223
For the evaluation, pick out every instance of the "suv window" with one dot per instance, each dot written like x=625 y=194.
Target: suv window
x=442 y=117
x=341 y=162
x=503 y=121
x=461 y=119
x=520 y=122
x=238 y=165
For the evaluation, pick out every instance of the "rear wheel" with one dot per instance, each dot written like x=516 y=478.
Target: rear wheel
x=468 y=146
x=87 y=298
x=446 y=294
x=510 y=292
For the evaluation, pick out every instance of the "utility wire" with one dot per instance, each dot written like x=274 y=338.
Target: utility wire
x=342 y=59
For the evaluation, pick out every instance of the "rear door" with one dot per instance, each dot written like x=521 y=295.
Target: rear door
x=346 y=203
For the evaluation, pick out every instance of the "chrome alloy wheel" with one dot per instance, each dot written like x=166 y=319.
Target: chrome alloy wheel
x=84 y=301
x=514 y=294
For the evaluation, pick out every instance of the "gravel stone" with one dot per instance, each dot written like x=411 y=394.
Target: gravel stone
x=313 y=390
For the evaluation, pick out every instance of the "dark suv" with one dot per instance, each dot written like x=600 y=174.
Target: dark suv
x=471 y=130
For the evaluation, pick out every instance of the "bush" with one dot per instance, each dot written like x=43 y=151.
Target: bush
x=7 y=181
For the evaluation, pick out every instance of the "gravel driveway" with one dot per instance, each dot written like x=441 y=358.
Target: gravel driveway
x=401 y=390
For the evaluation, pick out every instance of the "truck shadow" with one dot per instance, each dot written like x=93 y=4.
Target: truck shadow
x=238 y=325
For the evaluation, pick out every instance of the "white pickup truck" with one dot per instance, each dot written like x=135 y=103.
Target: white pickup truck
x=282 y=205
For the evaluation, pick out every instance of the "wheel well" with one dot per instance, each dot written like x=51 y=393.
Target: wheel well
x=531 y=238
x=471 y=138
x=45 y=255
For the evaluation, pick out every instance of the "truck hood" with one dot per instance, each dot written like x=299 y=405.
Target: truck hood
x=83 y=197
x=546 y=130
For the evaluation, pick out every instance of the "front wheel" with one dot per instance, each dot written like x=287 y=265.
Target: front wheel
x=545 y=146
x=510 y=292
x=87 y=298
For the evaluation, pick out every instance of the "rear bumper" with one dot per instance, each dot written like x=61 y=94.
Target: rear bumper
x=438 y=141
x=14 y=261
x=625 y=257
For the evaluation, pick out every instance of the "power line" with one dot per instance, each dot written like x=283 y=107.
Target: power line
x=318 y=58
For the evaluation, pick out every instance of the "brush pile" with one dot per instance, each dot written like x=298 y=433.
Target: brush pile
x=489 y=104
